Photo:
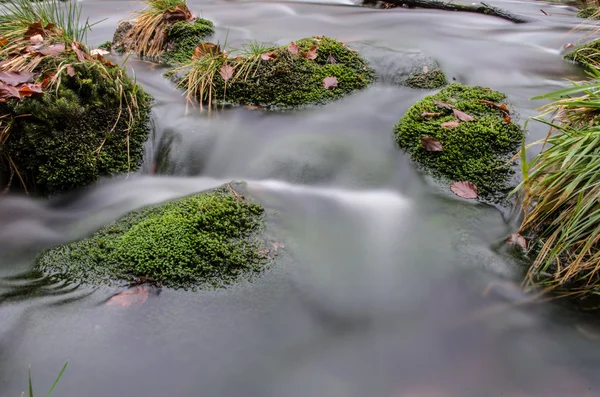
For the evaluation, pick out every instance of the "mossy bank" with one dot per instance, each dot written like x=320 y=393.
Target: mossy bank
x=313 y=70
x=476 y=134
x=585 y=54
x=205 y=240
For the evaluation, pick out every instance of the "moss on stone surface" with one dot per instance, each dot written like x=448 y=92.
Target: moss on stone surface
x=585 y=54
x=291 y=80
x=474 y=151
x=429 y=80
x=67 y=138
x=183 y=37
x=208 y=239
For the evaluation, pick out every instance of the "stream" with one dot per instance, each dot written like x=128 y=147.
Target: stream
x=388 y=285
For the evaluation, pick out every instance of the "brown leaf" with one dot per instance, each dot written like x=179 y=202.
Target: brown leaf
x=16 y=78
x=206 y=48
x=464 y=189
x=330 y=59
x=178 y=13
x=226 y=72
x=293 y=48
x=430 y=114
x=516 y=239
x=443 y=105
x=431 y=144
x=36 y=39
x=70 y=70
x=26 y=90
x=330 y=82
x=131 y=297
x=8 y=91
x=462 y=115
x=450 y=124
x=3 y=41
x=53 y=50
x=507 y=119
x=48 y=79
x=81 y=55
x=503 y=108
x=35 y=29
x=269 y=56
x=311 y=54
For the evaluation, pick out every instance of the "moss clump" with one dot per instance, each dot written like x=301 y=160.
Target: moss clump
x=585 y=54
x=206 y=239
x=284 y=79
x=474 y=151
x=589 y=12
x=71 y=135
x=183 y=37
x=428 y=80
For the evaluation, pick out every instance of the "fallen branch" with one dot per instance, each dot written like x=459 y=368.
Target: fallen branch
x=479 y=8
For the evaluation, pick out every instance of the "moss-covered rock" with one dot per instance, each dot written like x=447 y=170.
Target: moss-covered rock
x=589 y=12
x=92 y=123
x=181 y=38
x=281 y=78
x=427 y=79
x=475 y=151
x=585 y=54
x=208 y=239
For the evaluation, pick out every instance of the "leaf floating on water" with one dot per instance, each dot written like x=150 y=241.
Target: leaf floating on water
x=132 y=297
x=462 y=115
x=16 y=78
x=431 y=144
x=311 y=54
x=450 y=124
x=293 y=48
x=430 y=114
x=70 y=70
x=464 y=189
x=226 y=72
x=443 y=105
x=269 y=56
x=516 y=239
x=330 y=82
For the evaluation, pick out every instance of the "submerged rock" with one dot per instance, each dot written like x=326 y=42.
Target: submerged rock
x=208 y=239
x=80 y=118
x=313 y=70
x=463 y=133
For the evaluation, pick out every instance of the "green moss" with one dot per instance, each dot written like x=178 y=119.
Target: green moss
x=292 y=80
x=106 y=45
x=589 y=12
x=208 y=239
x=184 y=37
x=474 y=151
x=64 y=139
x=429 y=80
x=585 y=54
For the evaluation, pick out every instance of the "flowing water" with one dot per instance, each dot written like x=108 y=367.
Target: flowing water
x=387 y=286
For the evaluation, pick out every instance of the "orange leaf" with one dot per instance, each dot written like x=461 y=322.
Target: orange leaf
x=132 y=297
x=464 y=189
x=26 y=90
x=3 y=41
x=48 y=79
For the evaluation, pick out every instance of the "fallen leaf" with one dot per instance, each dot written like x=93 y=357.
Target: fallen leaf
x=330 y=59
x=16 y=78
x=425 y=69
x=430 y=114
x=3 y=41
x=443 y=105
x=70 y=70
x=36 y=39
x=48 y=79
x=431 y=144
x=53 y=50
x=507 y=119
x=81 y=55
x=131 y=297
x=464 y=189
x=269 y=56
x=8 y=91
x=503 y=108
x=34 y=29
x=293 y=48
x=99 y=51
x=450 y=124
x=330 y=82
x=26 y=90
x=311 y=54
x=206 y=48
x=516 y=239
x=178 y=13
x=226 y=72
x=462 y=115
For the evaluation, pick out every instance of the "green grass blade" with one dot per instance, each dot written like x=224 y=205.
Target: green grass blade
x=62 y=371
x=30 y=385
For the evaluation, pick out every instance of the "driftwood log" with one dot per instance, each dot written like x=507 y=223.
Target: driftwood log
x=479 y=8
